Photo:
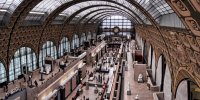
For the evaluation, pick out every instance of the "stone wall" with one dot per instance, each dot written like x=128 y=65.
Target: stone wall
x=180 y=49
x=34 y=37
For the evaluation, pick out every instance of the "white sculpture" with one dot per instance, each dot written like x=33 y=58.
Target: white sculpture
x=137 y=97
x=140 y=78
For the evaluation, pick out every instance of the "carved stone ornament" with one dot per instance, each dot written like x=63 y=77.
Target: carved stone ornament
x=196 y=71
x=193 y=25
x=190 y=53
x=182 y=55
x=196 y=4
x=193 y=42
x=182 y=37
x=197 y=56
x=180 y=7
x=198 y=40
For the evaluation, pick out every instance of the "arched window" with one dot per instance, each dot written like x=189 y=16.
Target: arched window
x=150 y=57
x=64 y=46
x=23 y=61
x=153 y=66
x=83 y=39
x=48 y=49
x=75 y=41
x=187 y=90
x=72 y=43
x=124 y=24
x=2 y=73
x=145 y=52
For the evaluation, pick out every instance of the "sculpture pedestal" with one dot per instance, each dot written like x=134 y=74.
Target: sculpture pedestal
x=87 y=85
x=126 y=68
x=128 y=92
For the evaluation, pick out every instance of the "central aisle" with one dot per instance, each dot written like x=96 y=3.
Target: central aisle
x=107 y=63
x=136 y=88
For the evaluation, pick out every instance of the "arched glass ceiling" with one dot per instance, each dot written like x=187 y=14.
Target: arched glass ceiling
x=102 y=15
x=75 y=21
x=96 y=15
x=48 y=6
x=156 y=8
x=85 y=13
x=82 y=5
x=95 y=10
x=9 y=5
x=93 y=15
x=78 y=6
x=99 y=17
x=69 y=11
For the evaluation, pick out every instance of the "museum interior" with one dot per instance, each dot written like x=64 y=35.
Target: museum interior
x=99 y=49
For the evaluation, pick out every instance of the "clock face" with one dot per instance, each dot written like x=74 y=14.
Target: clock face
x=116 y=30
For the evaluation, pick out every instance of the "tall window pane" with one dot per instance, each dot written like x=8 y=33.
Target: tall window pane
x=124 y=24
x=75 y=41
x=2 y=73
x=83 y=38
x=64 y=46
x=48 y=49
x=24 y=60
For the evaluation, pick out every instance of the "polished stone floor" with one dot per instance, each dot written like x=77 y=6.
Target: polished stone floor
x=139 y=89
x=87 y=93
x=90 y=93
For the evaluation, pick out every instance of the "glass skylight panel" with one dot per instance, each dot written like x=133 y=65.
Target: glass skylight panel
x=93 y=9
x=156 y=7
x=110 y=14
x=60 y=18
x=101 y=15
x=78 y=6
x=88 y=11
x=96 y=13
x=49 y=5
x=9 y=5
x=91 y=15
x=119 y=1
x=71 y=9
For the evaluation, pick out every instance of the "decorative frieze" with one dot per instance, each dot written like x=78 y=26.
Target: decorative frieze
x=181 y=50
x=181 y=7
